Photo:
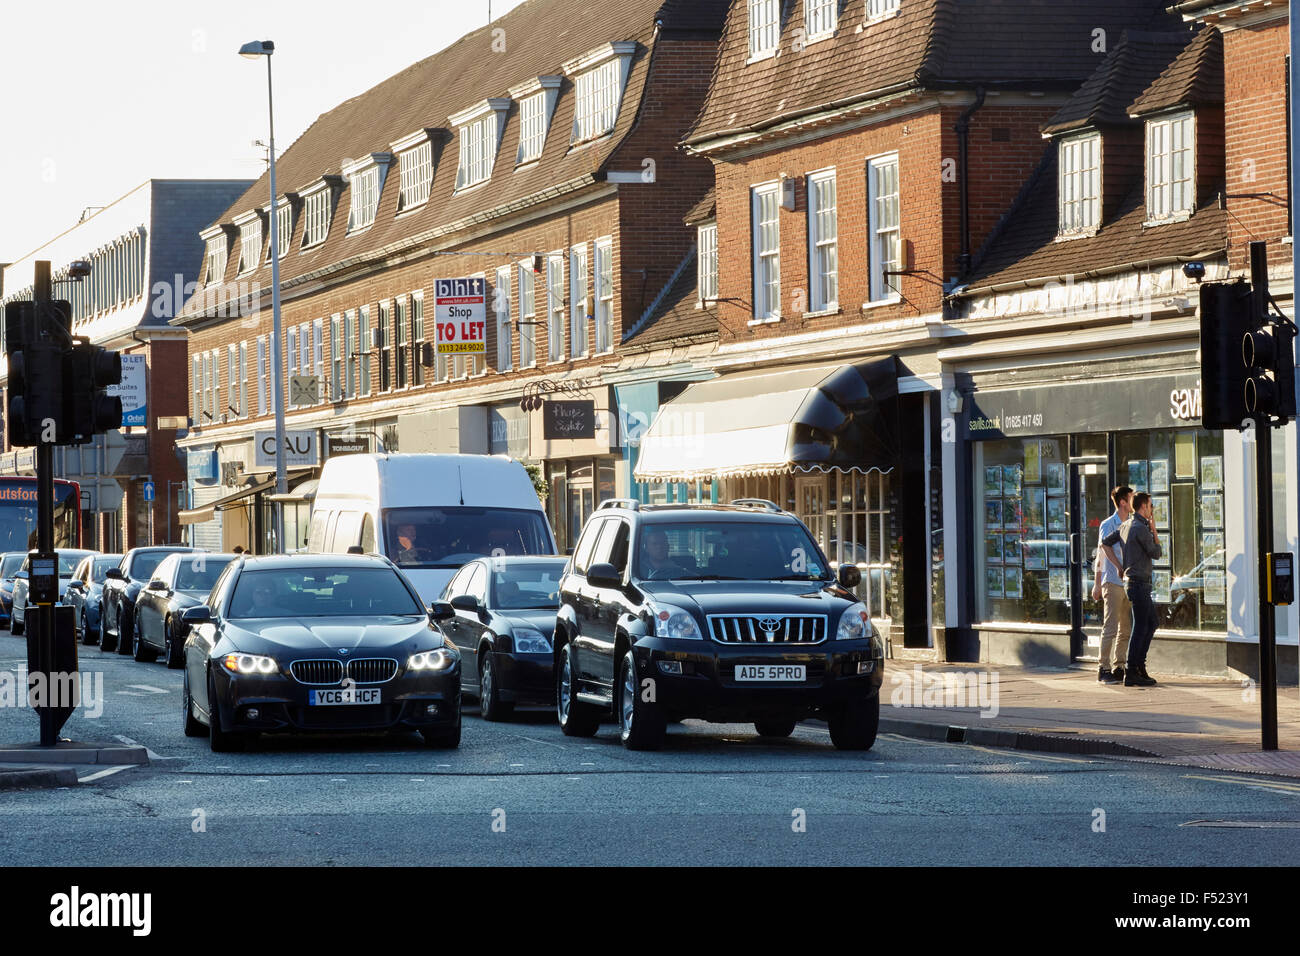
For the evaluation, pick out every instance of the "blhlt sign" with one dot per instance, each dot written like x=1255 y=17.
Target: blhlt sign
x=460 y=316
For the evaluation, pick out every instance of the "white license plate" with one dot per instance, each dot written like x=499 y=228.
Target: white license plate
x=769 y=672
x=350 y=695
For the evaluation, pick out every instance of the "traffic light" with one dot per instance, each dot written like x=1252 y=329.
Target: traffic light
x=87 y=410
x=35 y=373
x=1268 y=357
x=1226 y=318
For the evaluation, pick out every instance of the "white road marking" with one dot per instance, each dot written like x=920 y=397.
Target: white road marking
x=148 y=687
x=135 y=743
x=103 y=773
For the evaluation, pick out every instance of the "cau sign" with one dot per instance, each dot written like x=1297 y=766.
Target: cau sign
x=300 y=449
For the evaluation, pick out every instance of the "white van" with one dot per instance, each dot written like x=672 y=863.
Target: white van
x=429 y=513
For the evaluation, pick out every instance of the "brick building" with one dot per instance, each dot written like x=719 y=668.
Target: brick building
x=541 y=161
x=143 y=249
x=864 y=152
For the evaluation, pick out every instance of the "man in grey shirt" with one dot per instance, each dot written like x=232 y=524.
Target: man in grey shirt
x=1117 y=613
x=1141 y=547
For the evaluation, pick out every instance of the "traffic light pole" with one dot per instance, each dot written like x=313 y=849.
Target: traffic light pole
x=42 y=295
x=1264 y=512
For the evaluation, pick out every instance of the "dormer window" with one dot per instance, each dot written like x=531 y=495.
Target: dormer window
x=215 y=257
x=318 y=205
x=819 y=18
x=250 y=242
x=600 y=78
x=284 y=226
x=1079 y=185
x=415 y=170
x=1169 y=167
x=764 y=28
x=366 y=179
x=536 y=104
x=879 y=9
x=480 y=133
x=707 y=280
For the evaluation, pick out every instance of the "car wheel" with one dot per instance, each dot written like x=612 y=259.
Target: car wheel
x=221 y=741
x=175 y=646
x=491 y=706
x=640 y=722
x=193 y=727
x=576 y=718
x=142 y=652
x=774 y=728
x=854 y=725
x=125 y=628
x=443 y=739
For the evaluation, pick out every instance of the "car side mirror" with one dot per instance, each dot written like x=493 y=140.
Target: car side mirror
x=158 y=584
x=466 y=602
x=850 y=576
x=441 y=611
x=604 y=575
x=202 y=614
x=76 y=585
x=115 y=574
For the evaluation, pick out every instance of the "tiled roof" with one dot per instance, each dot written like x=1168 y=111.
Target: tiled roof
x=678 y=315
x=1035 y=44
x=1104 y=99
x=1025 y=247
x=539 y=36
x=1195 y=78
x=703 y=210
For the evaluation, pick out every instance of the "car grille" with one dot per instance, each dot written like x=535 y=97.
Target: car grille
x=317 y=672
x=767 y=628
x=372 y=670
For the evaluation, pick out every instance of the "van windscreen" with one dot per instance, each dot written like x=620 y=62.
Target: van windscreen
x=449 y=537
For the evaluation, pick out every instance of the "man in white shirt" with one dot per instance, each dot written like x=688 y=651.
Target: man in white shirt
x=1108 y=587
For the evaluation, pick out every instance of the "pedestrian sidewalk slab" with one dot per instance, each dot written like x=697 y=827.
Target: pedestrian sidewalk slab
x=17 y=777
x=72 y=752
x=1193 y=721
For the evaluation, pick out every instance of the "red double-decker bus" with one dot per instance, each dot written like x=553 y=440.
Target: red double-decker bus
x=18 y=514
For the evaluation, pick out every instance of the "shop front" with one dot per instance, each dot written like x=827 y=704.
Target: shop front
x=825 y=443
x=1044 y=459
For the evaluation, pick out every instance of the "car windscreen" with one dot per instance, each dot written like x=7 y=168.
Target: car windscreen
x=452 y=536
x=728 y=550
x=101 y=568
x=68 y=562
x=321 y=592
x=517 y=587
x=144 y=564
x=12 y=562
x=199 y=572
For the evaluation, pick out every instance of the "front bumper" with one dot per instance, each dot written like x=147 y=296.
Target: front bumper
x=526 y=678
x=283 y=704
x=836 y=673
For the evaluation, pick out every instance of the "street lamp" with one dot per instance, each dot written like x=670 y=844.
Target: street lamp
x=252 y=51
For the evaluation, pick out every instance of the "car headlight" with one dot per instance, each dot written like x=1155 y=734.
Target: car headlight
x=855 y=624
x=675 y=622
x=250 y=664
x=438 y=660
x=528 y=640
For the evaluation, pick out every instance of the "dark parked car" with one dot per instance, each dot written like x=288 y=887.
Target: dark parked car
x=723 y=612
x=325 y=642
x=10 y=563
x=180 y=582
x=121 y=587
x=85 y=591
x=500 y=613
x=68 y=561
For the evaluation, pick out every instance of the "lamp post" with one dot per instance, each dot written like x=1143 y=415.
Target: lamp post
x=252 y=51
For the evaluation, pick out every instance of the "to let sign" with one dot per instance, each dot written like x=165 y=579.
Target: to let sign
x=568 y=420
x=460 y=316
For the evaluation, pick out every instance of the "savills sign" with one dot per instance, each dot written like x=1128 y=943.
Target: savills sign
x=1166 y=401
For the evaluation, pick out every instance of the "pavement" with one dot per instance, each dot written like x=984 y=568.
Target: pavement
x=1184 y=721
x=29 y=766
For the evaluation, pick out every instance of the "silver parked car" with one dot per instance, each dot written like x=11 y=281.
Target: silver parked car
x=85 y=592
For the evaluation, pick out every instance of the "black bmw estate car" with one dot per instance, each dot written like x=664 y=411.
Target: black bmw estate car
x=329 y=643
x=728 y=613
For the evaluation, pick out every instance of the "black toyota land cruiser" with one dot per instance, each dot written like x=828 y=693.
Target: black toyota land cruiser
x=728 y=613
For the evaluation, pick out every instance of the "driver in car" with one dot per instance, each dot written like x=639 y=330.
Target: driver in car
x=409 y=553
x=655 y=559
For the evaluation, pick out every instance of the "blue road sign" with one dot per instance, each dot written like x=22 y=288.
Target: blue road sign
x=148 y=491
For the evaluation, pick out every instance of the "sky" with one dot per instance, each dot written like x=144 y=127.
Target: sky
x=101 y=95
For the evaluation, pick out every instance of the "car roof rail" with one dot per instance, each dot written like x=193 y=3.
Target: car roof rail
x=632 y=504
x=757 y=503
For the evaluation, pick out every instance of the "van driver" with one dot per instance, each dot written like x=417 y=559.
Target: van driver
x=408 y=553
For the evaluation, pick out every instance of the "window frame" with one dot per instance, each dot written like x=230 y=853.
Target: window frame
x=250 y=241
x=604 y=294
x=880 y=288
x=814 y=10
x=1083 y=177
x=766 y=286
x=706 y=271
x=579 y=318
x=364 y=186
x=415 y=183
x=527 y=313
x=501 y=302
x=316 y=215
x=555 y=307
x=767 y=31
x=821 y=280
x=1157 y=182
